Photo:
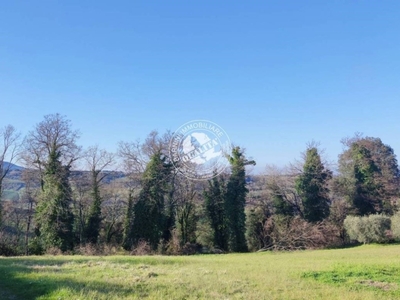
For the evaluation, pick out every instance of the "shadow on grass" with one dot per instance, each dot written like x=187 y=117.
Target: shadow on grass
x=19 y=280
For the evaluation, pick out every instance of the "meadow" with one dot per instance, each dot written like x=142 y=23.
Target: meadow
x=364 y=272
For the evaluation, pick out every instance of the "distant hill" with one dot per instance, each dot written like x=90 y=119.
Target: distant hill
x=13 y=167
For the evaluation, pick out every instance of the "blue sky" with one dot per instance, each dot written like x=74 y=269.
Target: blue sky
x=274 y=74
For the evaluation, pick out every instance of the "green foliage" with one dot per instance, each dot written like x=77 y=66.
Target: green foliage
x=281 y=206
x=312 y=186
x=149 y=222
x=186 y=219
x=368 y=229
x=94 y=219
x=255 y=231
x=368 y=176
x=395 y=226
x=53 y=214
x=214 y=201
x=235 y=201
x=127 y=241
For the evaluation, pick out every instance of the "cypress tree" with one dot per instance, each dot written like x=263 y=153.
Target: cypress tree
x=127 y=241
x=312 y=186
x=149 y=211
x=235 y=201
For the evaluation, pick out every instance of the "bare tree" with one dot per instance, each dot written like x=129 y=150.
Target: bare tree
x=51 y=148
x=185 y=197
x=136 y=155
x=29 y=201
x=9 y=151
x=113 y=212
x=97 y=160
x=281 y=190
x=53 y=134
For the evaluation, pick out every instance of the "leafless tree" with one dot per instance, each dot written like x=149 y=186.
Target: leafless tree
x=113 y=212
x=30 y=198
x=81 y=188
x=136 y=155
x=281 y=182
x=97 y=160
x=53 y=134
x=185 y=197
x=9 y=150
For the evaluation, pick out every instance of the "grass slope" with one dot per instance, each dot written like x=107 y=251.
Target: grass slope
x=366 y=272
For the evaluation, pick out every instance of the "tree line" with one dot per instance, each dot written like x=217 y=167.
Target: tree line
x=153 y=209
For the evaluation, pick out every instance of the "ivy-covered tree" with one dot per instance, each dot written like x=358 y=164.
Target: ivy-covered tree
x=280 y=204
x=369 y=176
x=127 y=241
x=52 y=148
x=97 y=161
x=214 y=200
x=312 y=186
x=54 y=217
x=149 y=210
x=235 y=200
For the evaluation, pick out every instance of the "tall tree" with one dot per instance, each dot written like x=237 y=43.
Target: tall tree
x=369 y=175
x=312 y=186
x=97 y=160
x=52 y=148
x=127 y=240
x=149 y=210
x=235 y=200
x=185 y=210
x=214 y=200
x=54 y=217
x=9 y=150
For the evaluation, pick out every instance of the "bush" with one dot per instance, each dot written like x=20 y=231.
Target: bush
x=368 y=229
x=395 y=226
x=53 y=251
x=8 y=244
x=142 y=248
x=295 y=233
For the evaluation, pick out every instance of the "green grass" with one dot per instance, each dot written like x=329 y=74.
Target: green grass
x=366 y=272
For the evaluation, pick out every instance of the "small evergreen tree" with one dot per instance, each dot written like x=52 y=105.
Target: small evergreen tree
x=94 y=219
x=281 y=206
x=312 y=186
x=127 y=241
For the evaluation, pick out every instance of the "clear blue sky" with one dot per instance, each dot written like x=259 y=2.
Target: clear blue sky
x=274 y=74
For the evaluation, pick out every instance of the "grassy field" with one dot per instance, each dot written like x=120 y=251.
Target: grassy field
x=365 y=272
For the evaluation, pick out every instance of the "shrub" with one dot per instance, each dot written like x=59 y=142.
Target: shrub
x=53 y=251
x=368 y=229
x=395 y=227
x=87 y=249
x=142 y=248
x=295 y=233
